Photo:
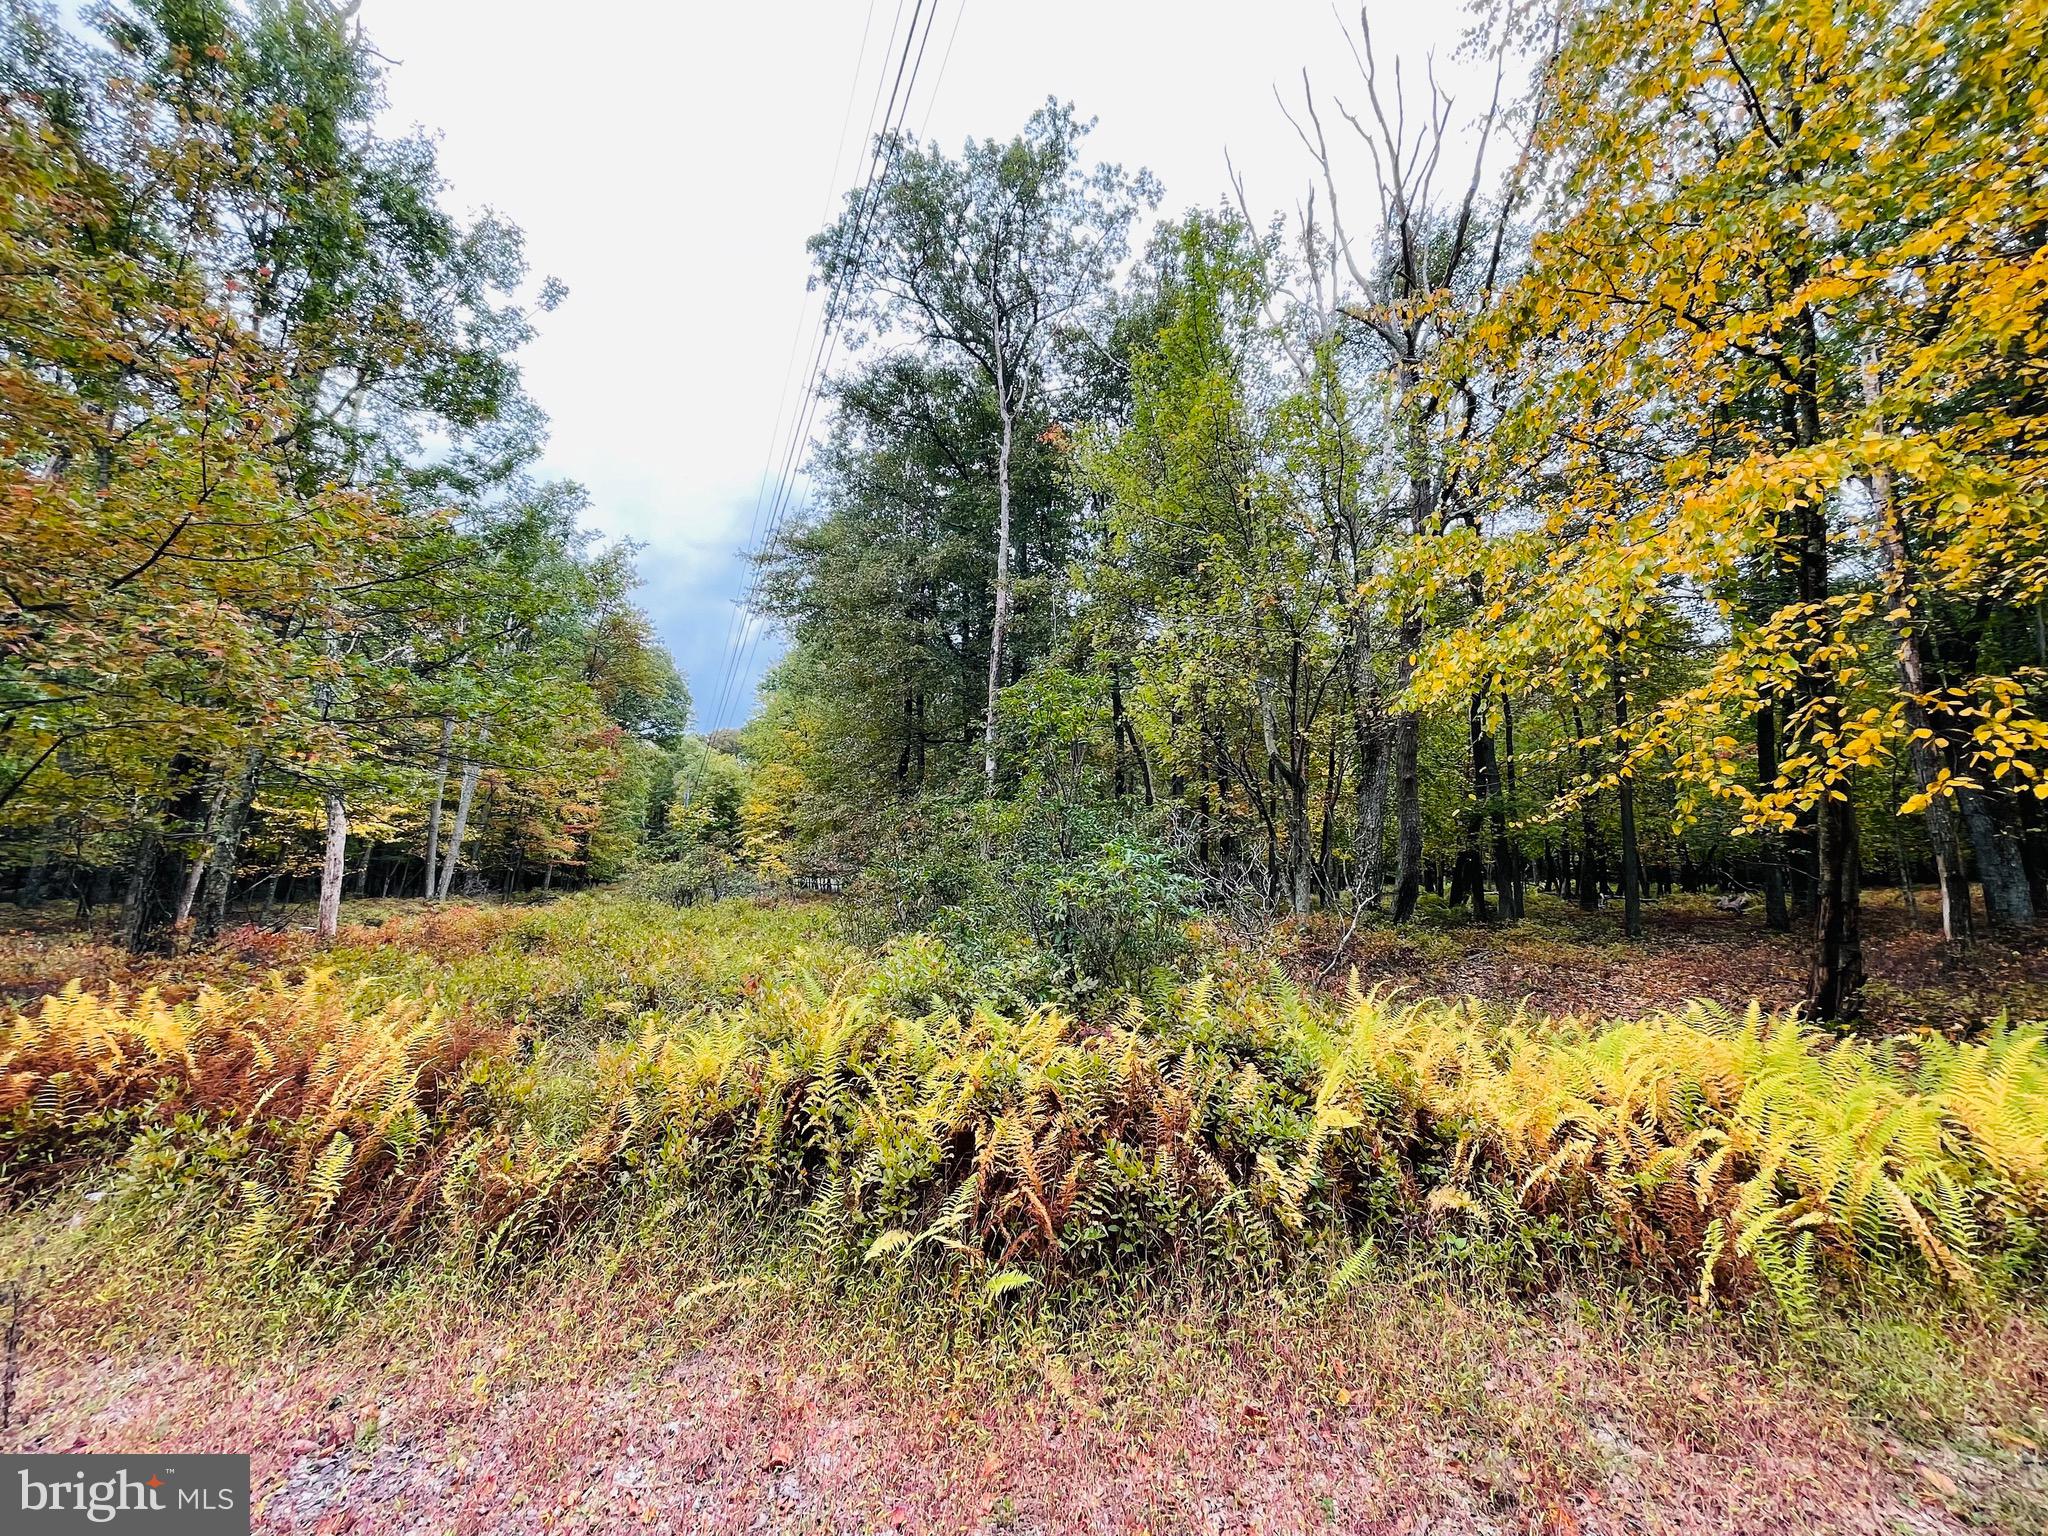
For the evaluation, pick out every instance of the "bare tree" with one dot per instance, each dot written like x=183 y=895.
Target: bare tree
x=1428 y=266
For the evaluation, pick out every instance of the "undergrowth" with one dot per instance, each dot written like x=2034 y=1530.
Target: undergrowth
x=486 y=1092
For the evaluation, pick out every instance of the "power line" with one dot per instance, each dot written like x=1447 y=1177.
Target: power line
x=881 y=159
x=737 y=628
x=788 y=484
x=925 y=124
x=827 y=322
x=805 y=322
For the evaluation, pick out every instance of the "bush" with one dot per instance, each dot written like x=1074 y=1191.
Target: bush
x=1040 y=900
x=323 y=1119
x=700 y=874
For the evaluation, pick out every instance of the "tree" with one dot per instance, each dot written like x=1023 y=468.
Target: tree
x=268 y=533
x=1420 y=277
x=1754 y=348
x=987 y=256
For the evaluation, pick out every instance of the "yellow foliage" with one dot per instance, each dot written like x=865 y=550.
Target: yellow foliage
x=1721 y=1153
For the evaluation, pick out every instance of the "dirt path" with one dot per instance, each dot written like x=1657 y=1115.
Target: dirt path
x=604 y=1407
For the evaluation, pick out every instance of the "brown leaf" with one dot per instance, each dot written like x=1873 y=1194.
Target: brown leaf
x=1939 y=1481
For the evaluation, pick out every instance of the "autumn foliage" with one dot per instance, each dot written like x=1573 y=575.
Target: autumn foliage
x=1236 y=1125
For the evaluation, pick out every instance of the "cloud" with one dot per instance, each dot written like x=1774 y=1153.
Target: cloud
x=668 y=162
x=689 y=590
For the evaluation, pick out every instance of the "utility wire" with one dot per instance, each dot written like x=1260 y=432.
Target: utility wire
x=881 y=159
x=827 y=322
x=805 y=321
x=882 y=162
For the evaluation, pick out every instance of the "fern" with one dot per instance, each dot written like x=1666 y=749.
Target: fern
x=1237 y=1122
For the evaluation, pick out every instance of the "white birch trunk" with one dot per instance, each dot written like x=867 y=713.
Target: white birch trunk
x=434 y=816
x=462 y=800
x=1001 y=625
x=333 y=867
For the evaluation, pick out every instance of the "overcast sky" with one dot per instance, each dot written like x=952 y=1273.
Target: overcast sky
x=668 y=160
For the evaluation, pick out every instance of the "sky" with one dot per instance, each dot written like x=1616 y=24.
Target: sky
x=668 y=161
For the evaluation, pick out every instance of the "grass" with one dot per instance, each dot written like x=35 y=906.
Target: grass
x=1235 y=1246
x=723 y=1382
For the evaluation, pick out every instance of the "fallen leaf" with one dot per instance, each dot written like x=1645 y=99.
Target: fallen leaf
x=1940 y=1482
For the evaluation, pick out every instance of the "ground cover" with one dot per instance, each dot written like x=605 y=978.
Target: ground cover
x=819 y=1242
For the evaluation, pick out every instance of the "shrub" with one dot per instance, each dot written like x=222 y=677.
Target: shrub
x=1243 y=1126
x=329 y=1121
x=1042 y=899
x=701 y=873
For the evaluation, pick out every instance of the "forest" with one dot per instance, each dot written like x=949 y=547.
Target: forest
x=1644 y=498
x=1634 y=490
x=286 y=605
x=1391 y=873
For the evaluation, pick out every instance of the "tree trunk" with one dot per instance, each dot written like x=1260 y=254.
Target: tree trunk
x=333 y=866
x=196 y=867
x=1370 y=850
x=188 y=889
x=1905 y=863
x=1952 y=882
x=1001 y=625
x=1116 y=732
x=470 y=770
x=1480 y=744
x=434 y=816
x=226 y=849
x=2008 y=903
x=1835 y=985
x=1836 y=981
x=1407 y=727
x=1589 y=822
x=154 y=875
x=1486 y=776
x=1289 y=772
x=30 y=896
x=1625 y=794
x=1512 y=876
x=1777 y=911
x=1333 y=791
x=1407 y=814
x=146 y=909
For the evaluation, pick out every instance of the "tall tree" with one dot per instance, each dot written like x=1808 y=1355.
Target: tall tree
x=1757 y=335
x=987 y=256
